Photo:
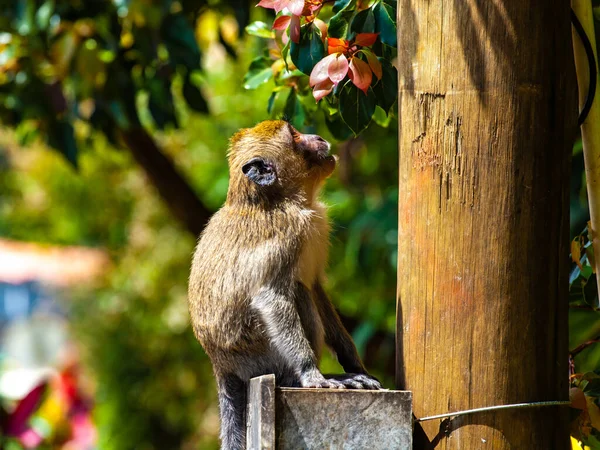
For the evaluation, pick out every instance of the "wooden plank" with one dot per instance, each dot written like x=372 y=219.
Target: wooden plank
x=486 y=120
x=260 y=431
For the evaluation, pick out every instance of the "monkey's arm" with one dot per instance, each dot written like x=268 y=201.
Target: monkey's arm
x=278 y=311
x=339 y=340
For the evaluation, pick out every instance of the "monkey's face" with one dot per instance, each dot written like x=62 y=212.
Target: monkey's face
x=274 y=157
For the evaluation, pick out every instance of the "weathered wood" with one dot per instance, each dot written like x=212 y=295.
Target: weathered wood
x=260 y=413
x=484 y=107
x=316 y=419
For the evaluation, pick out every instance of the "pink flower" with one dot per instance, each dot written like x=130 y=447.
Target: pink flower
x=296 y=7
x=327 y=73
x=343 y=59
x=360 y=74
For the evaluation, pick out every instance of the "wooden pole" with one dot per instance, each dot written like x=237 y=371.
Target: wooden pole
x=486 y=120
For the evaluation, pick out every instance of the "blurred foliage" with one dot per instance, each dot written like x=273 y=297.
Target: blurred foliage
x=154 y=383
x=103 y=62
x=584 y=362
x=585 y=398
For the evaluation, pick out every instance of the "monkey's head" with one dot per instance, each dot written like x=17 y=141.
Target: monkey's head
x=274 y=161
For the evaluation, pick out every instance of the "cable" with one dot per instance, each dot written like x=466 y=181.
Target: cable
x=494 y=408
x=589 y=52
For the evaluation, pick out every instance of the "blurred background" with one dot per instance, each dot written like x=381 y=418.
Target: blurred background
x=140 y=97
x=96 y=350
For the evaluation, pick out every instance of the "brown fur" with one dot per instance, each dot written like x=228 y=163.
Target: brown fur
x=255 y=294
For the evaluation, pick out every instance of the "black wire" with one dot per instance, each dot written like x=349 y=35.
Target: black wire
x=589 y=52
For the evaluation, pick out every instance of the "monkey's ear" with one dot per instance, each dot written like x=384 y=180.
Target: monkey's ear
x=260 y=172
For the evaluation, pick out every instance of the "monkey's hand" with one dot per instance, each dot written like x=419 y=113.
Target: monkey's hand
x=360 y=381
x=314 y=379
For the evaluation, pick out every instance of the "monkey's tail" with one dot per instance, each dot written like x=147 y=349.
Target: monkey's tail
x=232 y=409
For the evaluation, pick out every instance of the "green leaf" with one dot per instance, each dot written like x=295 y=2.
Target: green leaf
x=285 y=51
x=338 y=25
x=381 y=118
x=258 y=73
x=61 y=137
x=293 y=110
x=338 y=128
x=193 y=96
x=260 y=29
x=590 y=292
x=271 y=101
x=254 y=79
x=385 y=23
x=363 y=22
x=341 y=5
x=287 y=74
x=309 y=51
x=386 y=89
x=357 y=108
x=277 y=102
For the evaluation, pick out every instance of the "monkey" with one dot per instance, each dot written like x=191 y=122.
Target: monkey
x=256 y=296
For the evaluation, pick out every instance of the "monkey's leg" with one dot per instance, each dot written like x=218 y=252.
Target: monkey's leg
x=276 y=305
x=232 y=410
x=339 y=340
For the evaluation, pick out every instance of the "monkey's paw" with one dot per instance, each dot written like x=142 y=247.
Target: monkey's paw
x=360 y=381
x=316 y=380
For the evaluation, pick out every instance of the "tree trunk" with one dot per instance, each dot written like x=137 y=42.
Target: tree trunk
x=485 y=141
x=179 y=197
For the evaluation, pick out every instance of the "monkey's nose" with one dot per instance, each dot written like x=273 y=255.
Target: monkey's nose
x=315 y=143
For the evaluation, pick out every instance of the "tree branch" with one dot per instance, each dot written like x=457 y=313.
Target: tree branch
x=179 y=197
x=576 y=351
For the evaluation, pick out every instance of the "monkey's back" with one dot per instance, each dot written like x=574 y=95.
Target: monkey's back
x=219 y=288
x=241 y=250
x=237 y=252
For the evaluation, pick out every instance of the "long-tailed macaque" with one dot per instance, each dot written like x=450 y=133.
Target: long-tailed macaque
x=256 y=287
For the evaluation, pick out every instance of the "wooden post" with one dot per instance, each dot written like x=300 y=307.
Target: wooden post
x=260 y=413
x=485 y=123
x=315 y=419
